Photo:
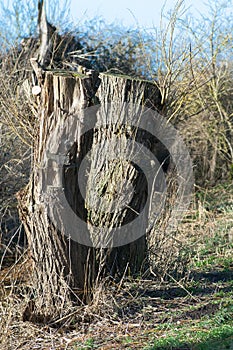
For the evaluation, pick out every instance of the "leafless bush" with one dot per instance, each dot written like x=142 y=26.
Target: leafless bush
x=17 y=132
x=194 y=73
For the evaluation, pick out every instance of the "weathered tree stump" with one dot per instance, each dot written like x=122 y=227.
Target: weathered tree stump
x=85 y=118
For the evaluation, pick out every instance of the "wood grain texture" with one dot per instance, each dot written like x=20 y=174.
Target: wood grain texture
x=60 y=264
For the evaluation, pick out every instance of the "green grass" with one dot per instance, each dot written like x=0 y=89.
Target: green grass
x=223 y=316
x=89 y=344
x=215 y=261
x=212 y=261
x=201 y=334
x=197 y=339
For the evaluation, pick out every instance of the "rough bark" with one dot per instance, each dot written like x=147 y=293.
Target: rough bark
x=62 y=265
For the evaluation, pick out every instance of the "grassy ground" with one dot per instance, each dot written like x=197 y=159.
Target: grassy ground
x=195 y=312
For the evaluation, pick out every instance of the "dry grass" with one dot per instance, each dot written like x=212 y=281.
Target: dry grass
x=133 y=313
x=191 y=267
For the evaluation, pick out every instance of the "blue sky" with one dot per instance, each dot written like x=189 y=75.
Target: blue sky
x=146 y=13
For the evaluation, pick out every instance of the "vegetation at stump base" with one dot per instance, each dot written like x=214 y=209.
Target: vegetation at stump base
x=182 y=297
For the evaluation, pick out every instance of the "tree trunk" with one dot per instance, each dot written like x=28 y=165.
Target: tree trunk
x=74 y=209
